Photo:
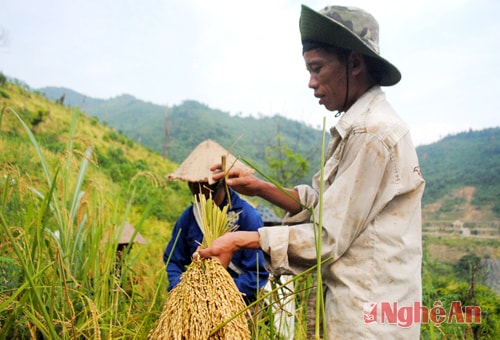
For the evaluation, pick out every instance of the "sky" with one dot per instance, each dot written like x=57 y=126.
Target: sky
x=245 y=57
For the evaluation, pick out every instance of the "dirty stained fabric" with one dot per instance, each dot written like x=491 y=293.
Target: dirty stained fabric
x=371 y=224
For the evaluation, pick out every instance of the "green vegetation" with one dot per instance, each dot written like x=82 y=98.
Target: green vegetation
x=286 y=166
x=449 y=284
x=62 y=211
x=66 y=190
x=191 y=122
x=65 y=238
x=466 y=159
x=68 y=184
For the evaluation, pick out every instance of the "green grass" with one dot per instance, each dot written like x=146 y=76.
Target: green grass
x=60 y=232
x=60 y=218
x=65 y=239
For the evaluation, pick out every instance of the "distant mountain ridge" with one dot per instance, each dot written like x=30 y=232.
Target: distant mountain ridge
x=458 y=169
x=70 y=97
x=468 y=159
x=192 y=122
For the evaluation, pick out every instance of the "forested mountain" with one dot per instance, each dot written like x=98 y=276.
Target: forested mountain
x=468 y=159
x=191 y=122
x=462 y=194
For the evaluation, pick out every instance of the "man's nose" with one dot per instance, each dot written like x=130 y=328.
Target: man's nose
x=313 y=82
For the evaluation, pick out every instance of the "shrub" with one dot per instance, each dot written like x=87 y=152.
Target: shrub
x=11 y=275
x=4 y=94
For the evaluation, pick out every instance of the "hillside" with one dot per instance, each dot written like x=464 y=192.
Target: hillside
x=461 y=170
x=68 y=185
x=466 y=160
x=125 y=180
x=191 y=122
x=118 y=165
x=462 y=194
x=469 y=158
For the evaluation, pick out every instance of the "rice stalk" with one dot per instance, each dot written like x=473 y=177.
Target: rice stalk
x=206 y=304
x=215 y=221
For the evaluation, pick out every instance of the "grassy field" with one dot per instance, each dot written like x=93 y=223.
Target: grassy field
x=68 y=185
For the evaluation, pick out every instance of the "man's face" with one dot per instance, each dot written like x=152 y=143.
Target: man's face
x=201 y=187
x=327 y=77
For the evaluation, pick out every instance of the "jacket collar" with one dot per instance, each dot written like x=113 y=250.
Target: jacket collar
x=356 y=111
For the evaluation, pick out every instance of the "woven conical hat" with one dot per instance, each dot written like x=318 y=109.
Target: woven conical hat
x=196 y=167
x=128 y=232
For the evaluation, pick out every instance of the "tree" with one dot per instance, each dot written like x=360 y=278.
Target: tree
x=286 y=166
x=467 y=265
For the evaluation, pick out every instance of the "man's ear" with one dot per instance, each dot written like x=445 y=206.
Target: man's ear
x=357 y=63
x=356 y=60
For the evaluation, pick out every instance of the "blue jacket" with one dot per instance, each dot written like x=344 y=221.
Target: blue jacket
x=253 y=275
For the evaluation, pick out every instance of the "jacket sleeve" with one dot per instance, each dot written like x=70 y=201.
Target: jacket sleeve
x=252 y=274
x=176 y=255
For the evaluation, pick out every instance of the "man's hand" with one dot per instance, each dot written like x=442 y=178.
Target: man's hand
x=240 y=180
x=223 y=248
x=247 y=184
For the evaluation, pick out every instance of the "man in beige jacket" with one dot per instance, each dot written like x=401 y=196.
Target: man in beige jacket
x=371 y=214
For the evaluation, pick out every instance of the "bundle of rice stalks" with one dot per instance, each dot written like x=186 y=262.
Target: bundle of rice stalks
x=206 y=304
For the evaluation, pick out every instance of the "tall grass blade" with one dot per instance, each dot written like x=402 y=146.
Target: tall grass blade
x=29 y=273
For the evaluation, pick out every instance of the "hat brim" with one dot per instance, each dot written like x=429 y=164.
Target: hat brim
x=317 y=27
x=196 y=167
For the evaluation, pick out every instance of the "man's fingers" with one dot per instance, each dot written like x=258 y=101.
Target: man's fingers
x=206 y=253
x=217 y=166
x=203 y=253
x=196 y=255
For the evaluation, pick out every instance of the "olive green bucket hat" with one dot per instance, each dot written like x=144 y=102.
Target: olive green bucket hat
x=349 y=28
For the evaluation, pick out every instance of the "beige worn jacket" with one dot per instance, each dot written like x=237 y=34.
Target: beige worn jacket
x=371 y=226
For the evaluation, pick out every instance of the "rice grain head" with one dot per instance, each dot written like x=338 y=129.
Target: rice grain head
x=206 y=298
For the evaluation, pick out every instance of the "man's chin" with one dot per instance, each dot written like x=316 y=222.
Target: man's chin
x=330 y=107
